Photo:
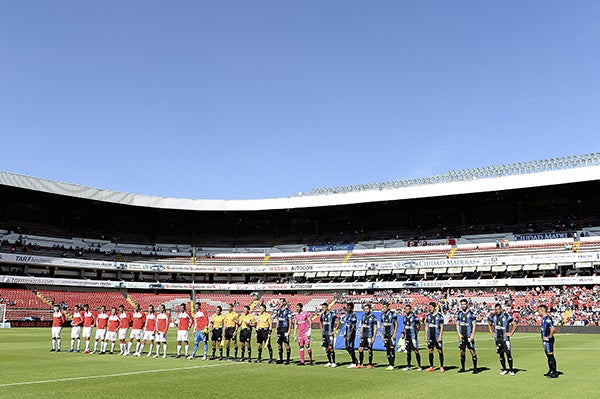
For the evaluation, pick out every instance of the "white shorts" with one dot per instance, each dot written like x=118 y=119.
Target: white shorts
x=161 y=337
x=75 y=331
x=148 y=335
x=100 y=334
x=183 y=335
x=56 y=332
x=135 y=334
x=86 y=332
x=123 y=333
x=111 y=336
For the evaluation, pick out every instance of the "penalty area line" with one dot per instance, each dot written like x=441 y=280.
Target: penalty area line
x=94 y=377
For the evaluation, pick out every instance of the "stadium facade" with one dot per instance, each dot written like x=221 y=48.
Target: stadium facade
x=521 y=225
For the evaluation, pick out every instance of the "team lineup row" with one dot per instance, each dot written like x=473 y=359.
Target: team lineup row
x=222 y=330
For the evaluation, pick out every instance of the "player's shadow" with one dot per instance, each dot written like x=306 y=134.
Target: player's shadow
x=482 y=369
x=448 y=368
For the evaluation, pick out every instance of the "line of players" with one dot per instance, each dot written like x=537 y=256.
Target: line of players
x=223 y=329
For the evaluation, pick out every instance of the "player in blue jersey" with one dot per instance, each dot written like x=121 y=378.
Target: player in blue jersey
x=329 y=325
x=434 y=331
x=502 y=326
x=412 y=325
x=465 y=327
x=548 y=341
x=368 y=331
x=350 y=321
x=284 y=327
x=389 y=330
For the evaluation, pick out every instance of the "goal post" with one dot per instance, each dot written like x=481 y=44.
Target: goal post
x=3 y=323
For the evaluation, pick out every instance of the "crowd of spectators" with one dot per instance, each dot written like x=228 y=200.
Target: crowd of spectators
x=570 y=305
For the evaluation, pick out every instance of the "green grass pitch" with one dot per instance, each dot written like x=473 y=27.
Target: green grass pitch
x=29 y=370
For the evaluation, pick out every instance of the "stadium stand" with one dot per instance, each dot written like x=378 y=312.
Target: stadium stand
x=522 y=234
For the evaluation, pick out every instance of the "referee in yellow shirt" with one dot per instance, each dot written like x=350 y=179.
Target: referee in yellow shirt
x=231 y=326
x=263 y=333
x=216 y=327
x=246 y=322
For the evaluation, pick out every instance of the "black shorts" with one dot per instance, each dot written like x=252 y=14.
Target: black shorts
x=283 y=337
x=465 y=344
x=245 y=335
x=548 y=345
x=412 y=343
x=503 y=346
x=327 y=341
x=349 y=341
x=434 y=344
x=230 y=334
x=217 y=335
x=262 y=335
x=388 y=342
x=364 y=343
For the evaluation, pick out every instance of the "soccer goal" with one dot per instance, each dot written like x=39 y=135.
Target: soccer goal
x=3 y=323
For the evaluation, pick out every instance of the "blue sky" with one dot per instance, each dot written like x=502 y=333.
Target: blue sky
x=253 y=99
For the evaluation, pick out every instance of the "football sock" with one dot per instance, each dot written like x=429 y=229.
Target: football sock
x=462 y=361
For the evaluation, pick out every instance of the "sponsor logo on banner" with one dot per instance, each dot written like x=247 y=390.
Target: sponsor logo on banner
x=301 y=286
x=336 y=247
x=120 y=266
x=32 y=259
x=544 y=236
x=279 y=268
x=303 y=268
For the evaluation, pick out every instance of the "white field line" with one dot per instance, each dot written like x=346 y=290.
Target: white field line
x=94 y=377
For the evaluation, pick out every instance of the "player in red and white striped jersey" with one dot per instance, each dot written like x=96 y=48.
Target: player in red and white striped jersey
x=58 y=320
x=124 y=324
x=184 y=323
x=88 y=323
x=149 y=331
x=163 y=319
x=76 y=328
x=138 y=318
x=111 y=331
x=101 y=323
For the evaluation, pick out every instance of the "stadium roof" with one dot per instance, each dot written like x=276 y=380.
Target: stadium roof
x=554 y=171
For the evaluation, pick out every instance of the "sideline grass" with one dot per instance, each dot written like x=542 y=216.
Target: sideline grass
x=29 y=370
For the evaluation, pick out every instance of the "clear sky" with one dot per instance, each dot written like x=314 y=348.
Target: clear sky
x=253 y=99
